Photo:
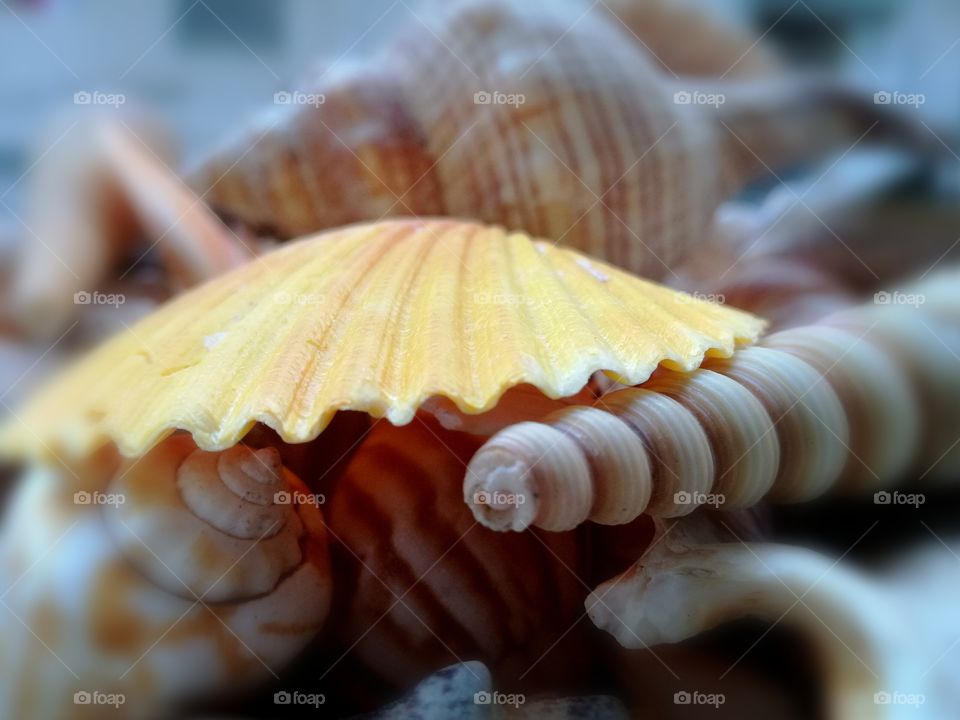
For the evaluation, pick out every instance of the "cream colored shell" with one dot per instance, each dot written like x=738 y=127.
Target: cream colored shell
x=124 y=592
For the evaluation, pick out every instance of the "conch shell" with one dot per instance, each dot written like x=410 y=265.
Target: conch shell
x=548 y=117
x=376 y=318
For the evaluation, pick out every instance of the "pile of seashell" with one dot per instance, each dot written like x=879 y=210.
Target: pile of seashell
x=406 y=421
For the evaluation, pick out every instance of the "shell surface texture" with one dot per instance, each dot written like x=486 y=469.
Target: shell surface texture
x=421 y=584
x=548 y=117
x=377 y=318
x=185 y=573
x=788 y=419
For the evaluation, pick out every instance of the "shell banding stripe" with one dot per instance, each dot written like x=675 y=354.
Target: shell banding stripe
x=837 y=404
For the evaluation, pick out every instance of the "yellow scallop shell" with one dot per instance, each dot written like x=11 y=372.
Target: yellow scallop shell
x=377 y=318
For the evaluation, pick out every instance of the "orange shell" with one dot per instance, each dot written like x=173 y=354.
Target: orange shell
x=376 y=318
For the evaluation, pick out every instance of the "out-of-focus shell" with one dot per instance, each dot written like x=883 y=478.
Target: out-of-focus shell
x=376 y=318
x=548 y=117
x=422 y=585
x=89 y=202
x=715 y=41
x=196 y=576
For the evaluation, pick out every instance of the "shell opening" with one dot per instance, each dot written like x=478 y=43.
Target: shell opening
x=529 y=474
x=494 y=488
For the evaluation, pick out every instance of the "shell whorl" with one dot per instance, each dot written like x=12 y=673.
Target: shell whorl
x=235 y=491
x=219 y=526
x=133 y=599
x=884 y=425
x=806 y=413
x=740 y=432
x=932 y=372
x=834 y=404
x=596 y=113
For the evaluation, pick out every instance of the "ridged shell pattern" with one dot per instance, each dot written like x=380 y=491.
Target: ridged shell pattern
x=547 y=117
x=844 y=403
x=422 y=584
x=376 y=318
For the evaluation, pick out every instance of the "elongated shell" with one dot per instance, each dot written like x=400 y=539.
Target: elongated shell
x=422 y=585
x=835 y=404
x=190 y=576
x=376 y=318
x=548 y=117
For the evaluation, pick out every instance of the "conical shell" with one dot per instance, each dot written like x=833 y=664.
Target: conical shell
x=543 y=116
x=376 y=318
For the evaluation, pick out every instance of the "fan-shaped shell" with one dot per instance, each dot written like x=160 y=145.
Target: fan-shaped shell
x=376 y=318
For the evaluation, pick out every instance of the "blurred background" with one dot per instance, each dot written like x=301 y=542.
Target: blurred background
x=208 y=64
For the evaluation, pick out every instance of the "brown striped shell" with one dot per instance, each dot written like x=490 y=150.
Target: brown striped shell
x=421 y=585
x=599 y=154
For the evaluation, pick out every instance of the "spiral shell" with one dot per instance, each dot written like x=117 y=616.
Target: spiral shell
x=787 y=420
x=182 y=577
x=231 y=510
x=884 y=426
x=932 y=373
x=552 y=119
